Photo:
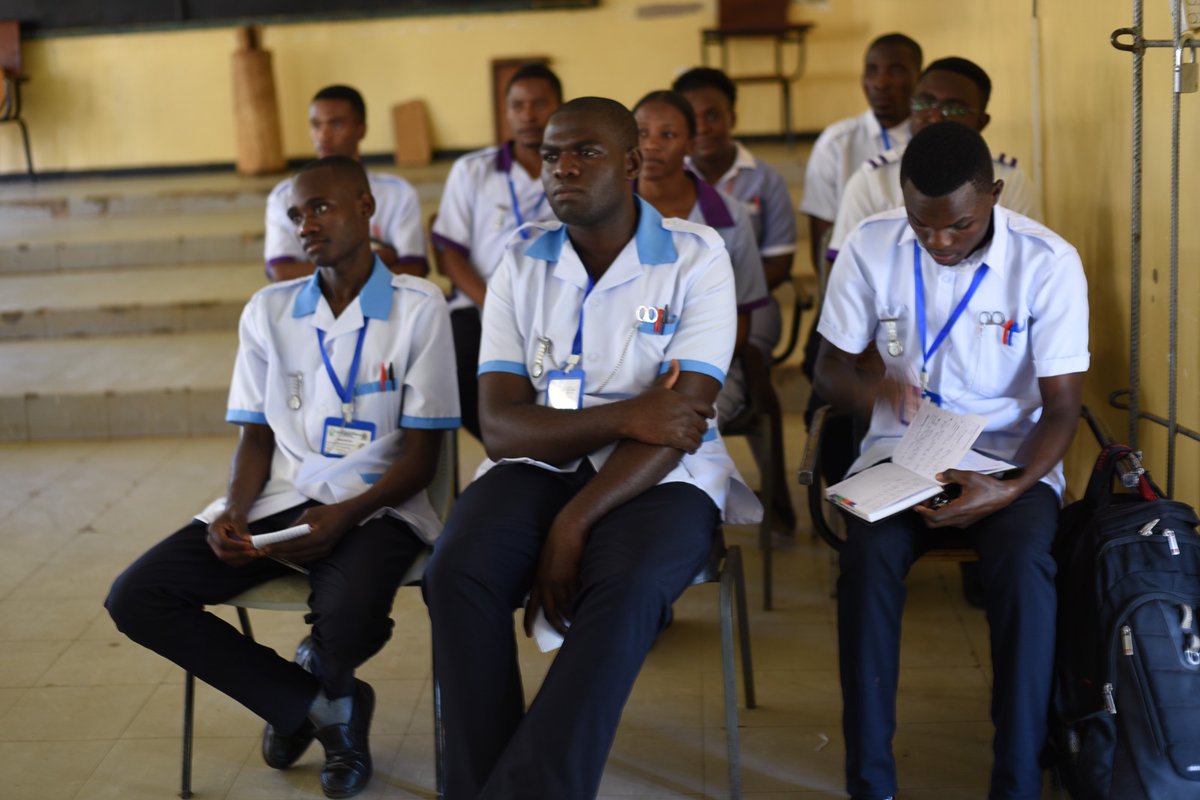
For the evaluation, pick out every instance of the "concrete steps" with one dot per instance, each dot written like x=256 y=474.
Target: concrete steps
x=115 y=386
x=106 y=302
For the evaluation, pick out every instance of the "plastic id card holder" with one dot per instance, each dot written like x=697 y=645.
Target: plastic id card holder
x=342 y=438
x=564 y=390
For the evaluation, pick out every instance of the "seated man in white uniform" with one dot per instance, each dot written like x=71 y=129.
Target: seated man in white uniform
x=666 y=132
x=337 y=122
x=606 y=337
x=950 y=90
x=342 y=394
x=489 y=194
x=983 y=311
x=890 y=71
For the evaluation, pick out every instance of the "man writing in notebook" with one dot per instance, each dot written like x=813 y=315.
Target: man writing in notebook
x=978 y=310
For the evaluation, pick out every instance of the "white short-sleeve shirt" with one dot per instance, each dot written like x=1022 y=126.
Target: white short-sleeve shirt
x=405 y=379
x=766 y=196
x=488 y=195
x=839 y=151
x=536 y=299
x=395 y=223
x=876 y=187
x=1034 y=278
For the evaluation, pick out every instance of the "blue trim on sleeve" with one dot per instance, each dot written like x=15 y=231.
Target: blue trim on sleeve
x=240 y=416
x=692 y=365
x=370 y=478
x=496 y=365
x=709 y=434
x=430 y=423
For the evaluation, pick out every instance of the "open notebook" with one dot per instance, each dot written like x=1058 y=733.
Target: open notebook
x=936 y=440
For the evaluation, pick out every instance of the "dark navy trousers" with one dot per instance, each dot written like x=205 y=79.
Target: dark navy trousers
x=637 y=561
x=159 y=603
x=1017 y=571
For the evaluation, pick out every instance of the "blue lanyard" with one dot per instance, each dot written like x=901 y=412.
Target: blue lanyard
x=887 y=143
x=577 y=347
x=512 y=192
x=346 y=393
x=927 y=353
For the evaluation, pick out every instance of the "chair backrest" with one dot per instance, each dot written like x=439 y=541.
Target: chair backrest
x=10 y=46
x=443 y=489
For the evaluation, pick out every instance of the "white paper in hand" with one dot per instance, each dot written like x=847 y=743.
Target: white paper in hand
x=264 y=539
x=544 y=634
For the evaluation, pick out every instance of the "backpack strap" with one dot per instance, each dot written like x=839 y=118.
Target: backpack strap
x=1099 y=488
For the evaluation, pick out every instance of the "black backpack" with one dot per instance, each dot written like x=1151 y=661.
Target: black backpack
x=1127 y=678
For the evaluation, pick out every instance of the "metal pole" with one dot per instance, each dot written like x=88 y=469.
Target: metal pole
x=1173 y=331
x=1135 y=231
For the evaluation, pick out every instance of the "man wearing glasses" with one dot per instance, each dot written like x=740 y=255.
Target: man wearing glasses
x=950 y=90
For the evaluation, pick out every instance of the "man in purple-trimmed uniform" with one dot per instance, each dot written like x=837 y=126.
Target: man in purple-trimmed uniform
x=488 y=195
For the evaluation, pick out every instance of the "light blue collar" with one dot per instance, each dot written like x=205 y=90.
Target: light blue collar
x=375 y=298
x=654 y=243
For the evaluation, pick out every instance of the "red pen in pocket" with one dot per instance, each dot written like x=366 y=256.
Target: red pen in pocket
x=383 y=377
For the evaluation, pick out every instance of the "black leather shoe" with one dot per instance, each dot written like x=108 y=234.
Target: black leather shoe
x=347 y=751
x=281 y=750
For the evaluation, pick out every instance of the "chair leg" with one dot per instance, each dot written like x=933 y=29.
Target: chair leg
x=244 y=619
x=733 y=564
x=765 y=535
x=439 y=739
x=189 y=700
x=732 y=734
x=28 y=156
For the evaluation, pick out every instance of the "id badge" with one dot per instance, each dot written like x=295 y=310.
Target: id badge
x=564 y=390
x=342 y=438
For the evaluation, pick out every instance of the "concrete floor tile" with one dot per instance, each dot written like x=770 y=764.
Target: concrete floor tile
x=23 y=663
x=54 y=770
x=31 y=618
x=115 y=662
x=778 y=759
x=785 y=698
x=161 y=716
x=72 y=713
x=149 y=769
x=662 y=763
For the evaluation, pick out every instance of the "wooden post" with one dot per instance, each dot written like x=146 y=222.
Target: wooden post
x=410 y=127
x=255 y=108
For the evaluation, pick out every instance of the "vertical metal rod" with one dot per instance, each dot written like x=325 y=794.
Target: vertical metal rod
x=1135 y=231
x=1173 y=330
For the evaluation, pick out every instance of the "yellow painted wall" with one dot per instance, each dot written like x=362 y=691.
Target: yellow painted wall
x=151 y=99
x=165 y=98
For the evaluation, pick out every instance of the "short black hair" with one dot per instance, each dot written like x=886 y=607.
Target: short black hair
x=344 y=167
x=706 y=78
x=347 y=93
x=536 y=72
x=969 y=70
x=942 y=157
x=611 y=113
x=676 y=101
x=899 y=40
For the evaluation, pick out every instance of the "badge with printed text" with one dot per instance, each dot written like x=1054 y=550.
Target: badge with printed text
x=564 y=390
x=342 y=437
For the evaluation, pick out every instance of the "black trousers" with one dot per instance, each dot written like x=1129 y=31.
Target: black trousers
x=159 y=603
x=637 y=561
x=1017 y=571
x=467 y=329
